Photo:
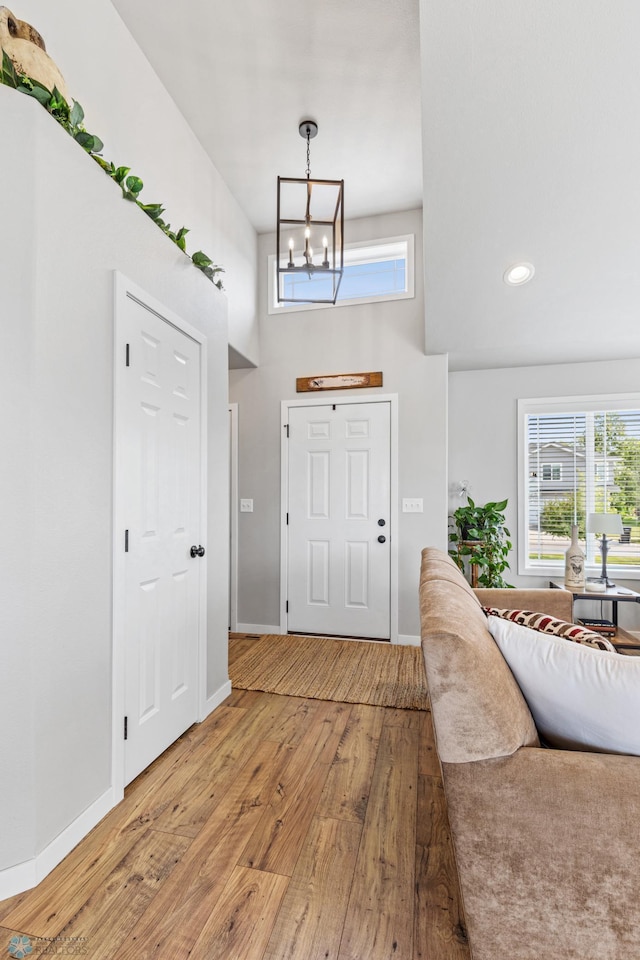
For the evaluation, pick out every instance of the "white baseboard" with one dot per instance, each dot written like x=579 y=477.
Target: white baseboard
x=407 y=640
x=24 y=876
x=17 y=879
x=258 y=628
x=216 y=699
x=403 y=639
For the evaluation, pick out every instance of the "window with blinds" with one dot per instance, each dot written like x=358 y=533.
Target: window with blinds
x=576 y=458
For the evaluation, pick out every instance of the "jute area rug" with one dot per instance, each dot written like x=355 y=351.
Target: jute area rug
x=328 y=669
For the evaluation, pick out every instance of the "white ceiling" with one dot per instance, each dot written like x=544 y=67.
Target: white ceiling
x=521 y=116
x=532 y=152
x=245 y=73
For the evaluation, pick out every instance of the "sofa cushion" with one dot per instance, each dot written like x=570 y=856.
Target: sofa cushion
x=559 y=628
x=437 y=565
x=580 y=697
x=547 y=844
x=478 y=709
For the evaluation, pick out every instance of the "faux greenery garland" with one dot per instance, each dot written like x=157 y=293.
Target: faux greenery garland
x=72 y=119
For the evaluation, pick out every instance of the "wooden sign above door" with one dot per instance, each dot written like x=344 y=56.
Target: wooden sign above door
x=339 y=381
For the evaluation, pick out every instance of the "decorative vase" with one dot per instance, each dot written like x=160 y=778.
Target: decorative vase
x=574 y=563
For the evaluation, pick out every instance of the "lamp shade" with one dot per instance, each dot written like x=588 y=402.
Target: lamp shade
x=607 y=523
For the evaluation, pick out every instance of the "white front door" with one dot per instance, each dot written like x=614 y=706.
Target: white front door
x=160 y=439
x=338 y=542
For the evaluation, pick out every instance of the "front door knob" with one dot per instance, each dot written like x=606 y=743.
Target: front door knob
x=197 y=551
x=382 y=539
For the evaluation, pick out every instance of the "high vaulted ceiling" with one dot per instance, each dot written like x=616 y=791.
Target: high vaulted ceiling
x=245 y=73
x=520 y=117
x=532 y=152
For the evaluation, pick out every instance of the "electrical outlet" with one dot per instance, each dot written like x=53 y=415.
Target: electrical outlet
x=246 y=506
x=412 y=505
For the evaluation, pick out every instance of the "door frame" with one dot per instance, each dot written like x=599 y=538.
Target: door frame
x=233 y=517
x=125 y=289
x=323 y=401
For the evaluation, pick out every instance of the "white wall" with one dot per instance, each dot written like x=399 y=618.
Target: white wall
x=142 y=128
x=65 y=229
x=483 y=435
x=16 y=476
x=380 y=336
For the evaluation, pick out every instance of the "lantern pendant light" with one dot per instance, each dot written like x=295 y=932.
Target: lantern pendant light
x=309 y=235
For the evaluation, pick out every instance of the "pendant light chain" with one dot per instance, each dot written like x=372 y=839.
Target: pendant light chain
x=308 y=154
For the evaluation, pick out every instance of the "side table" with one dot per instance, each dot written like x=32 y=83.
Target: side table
x=614 y=596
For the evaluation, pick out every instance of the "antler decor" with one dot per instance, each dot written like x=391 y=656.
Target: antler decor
x=25 y=48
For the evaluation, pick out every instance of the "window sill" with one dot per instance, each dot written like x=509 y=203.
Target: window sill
x=555 y=571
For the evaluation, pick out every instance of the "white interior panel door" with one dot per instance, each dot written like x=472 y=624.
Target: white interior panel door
x=162 y=471
x=339 y=500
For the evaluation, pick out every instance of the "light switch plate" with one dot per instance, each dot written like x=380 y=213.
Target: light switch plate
x=412 y=505
x=246 y=506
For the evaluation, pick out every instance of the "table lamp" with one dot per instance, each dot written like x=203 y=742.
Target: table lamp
x=608 y=524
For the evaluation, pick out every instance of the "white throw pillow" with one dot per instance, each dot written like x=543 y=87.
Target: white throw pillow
x=580 y=697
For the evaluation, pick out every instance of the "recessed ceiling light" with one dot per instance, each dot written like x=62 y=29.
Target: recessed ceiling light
x=518 y=273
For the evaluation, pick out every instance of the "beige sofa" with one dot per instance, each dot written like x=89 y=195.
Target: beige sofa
x=547 y=841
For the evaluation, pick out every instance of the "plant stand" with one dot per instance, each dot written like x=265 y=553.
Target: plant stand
x=473 y=567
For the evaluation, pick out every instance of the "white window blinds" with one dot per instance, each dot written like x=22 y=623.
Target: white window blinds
x=578 y=462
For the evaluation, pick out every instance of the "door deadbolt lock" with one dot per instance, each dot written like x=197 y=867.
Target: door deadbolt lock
x=381 y=523
x=197 y=551
x=382 y=539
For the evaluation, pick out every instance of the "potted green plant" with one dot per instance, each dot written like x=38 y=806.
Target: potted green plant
x=481 y=539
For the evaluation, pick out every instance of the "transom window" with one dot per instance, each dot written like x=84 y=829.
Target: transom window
x=595 y=445
x=377 y=270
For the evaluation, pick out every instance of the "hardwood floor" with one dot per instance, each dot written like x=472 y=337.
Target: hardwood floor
x=278 y=828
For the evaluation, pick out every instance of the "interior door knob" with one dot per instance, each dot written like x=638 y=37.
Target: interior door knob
x=197 y=551
x=382 y=539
